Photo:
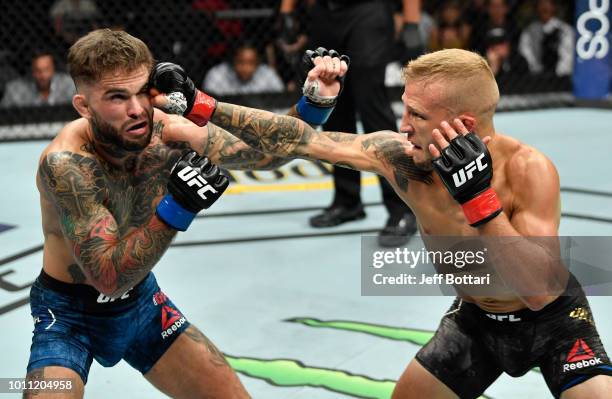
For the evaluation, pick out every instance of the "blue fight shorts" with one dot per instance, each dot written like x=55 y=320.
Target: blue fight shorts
x=74 y=324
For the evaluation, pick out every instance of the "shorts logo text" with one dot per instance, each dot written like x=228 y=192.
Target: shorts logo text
x=105 y=299
x=503 y=317
x=580 y=356
x=159 y=298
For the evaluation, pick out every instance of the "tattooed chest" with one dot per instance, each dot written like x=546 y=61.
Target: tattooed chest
x=132 y=196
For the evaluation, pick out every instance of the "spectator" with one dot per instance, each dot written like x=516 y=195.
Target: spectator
x=475 y=12
x=548 y=43
x=244 y=75
x=73 y=18
x=451 y=31
x=44 y=87
x=496 y=18
x=503 y=60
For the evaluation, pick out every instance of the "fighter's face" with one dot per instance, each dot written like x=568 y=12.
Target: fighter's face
x=121 y=110
x=422 y=114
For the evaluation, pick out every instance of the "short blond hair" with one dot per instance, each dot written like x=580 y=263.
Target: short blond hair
x=106 y=51
x=468 y=83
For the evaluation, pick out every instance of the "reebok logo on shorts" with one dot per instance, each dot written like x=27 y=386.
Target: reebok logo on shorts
x=580 y=356
x=171 y=321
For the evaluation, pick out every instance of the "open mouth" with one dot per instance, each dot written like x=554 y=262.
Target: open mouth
x=415 y=146
x=138 y=128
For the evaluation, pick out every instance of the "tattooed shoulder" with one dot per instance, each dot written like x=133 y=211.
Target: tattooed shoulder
x=68 y=175
x=391 y=151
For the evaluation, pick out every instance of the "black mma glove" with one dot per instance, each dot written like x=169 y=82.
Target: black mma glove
x=195 y=184
x=183 y=97
x=312 y=107
x=466 y=169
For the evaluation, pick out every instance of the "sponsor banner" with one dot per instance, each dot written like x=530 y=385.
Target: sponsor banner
x=593 y=66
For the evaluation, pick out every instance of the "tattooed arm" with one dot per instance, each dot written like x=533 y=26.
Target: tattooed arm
x=113 y=262
x=218 y=145
x=385 y=153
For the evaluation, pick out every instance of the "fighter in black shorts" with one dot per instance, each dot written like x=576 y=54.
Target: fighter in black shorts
x=463 y=179
x=472 y=347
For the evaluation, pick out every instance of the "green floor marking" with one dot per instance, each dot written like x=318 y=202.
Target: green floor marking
x=415 y=336
x=293 y=373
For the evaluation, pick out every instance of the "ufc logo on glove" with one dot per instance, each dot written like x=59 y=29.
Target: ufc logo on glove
x=459 y=178
x=192 y=177
x=179 y=207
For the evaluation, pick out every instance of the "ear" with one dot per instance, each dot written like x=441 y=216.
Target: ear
x=469 y=121
x=79 y=102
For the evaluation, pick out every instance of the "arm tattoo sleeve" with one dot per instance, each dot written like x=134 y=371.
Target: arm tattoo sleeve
x=112 y=257
x=286 y=136
x=267 y=132
x=232 y=153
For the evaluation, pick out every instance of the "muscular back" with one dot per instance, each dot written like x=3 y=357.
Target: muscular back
x=74 y=181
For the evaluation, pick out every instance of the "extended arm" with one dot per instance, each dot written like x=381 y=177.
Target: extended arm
x=385 y=153
x=219 y=145
x=112 y=260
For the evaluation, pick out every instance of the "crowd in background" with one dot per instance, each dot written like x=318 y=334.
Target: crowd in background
x=241 y=47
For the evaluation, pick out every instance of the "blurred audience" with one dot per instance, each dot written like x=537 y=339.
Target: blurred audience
x=245 y=74
x=497 y=17
x=450 y=31
x=403 y=38
x=72 y=19
x=7 y=72
x=202 y=34
x=548 y=43
x=285 y=52
x=504 y=61
x=45 y=86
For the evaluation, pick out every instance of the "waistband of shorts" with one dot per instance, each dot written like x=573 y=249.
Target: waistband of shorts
x=91 y=297
x=562 y=302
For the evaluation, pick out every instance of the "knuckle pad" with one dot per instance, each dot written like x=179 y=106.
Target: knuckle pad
x=321 y=51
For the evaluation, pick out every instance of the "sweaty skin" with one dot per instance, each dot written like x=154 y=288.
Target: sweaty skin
x=98 y=199
x=531 y=201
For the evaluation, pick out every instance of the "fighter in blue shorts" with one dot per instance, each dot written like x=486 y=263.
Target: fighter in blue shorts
x=115 y=187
